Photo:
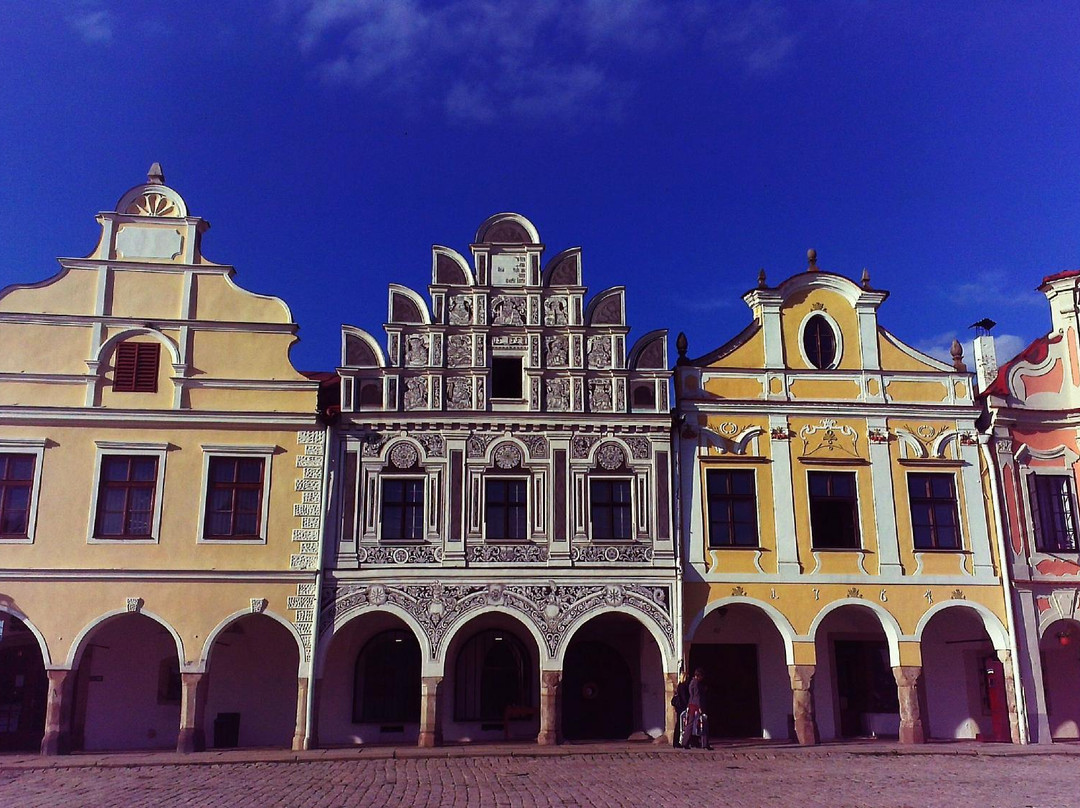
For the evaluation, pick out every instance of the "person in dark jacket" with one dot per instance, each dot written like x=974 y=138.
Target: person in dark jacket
x=680 y=701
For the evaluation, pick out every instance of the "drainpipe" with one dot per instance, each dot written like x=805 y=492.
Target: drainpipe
x=328 y=487
x=1003 y=560
x=677 y=418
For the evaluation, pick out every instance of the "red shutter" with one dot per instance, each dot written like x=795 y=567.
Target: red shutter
x=136 y=367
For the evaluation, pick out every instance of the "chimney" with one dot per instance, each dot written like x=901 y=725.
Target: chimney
x=986 y=366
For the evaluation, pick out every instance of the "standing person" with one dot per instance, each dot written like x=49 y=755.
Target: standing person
x=680 y=701
x=697 y=722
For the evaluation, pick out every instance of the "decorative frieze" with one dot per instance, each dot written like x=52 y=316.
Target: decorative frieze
x=612 y=554
x=416 y=554
x=507 y=553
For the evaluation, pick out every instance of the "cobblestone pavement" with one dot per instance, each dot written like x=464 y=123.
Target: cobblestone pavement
x=650 y=777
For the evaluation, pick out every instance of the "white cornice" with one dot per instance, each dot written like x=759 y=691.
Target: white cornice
x=87 y=320
x=140 y=418
x=163 y=576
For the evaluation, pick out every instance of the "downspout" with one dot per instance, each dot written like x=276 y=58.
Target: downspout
x=999 y=526
x=328 y=487
x=676 y=511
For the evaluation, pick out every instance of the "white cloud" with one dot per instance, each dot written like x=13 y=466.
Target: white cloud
x=760 y=34
x=995 y=288
x=1006 y=346
x=94 y=26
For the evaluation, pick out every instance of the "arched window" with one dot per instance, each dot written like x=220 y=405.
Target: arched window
x=493 y=672
x=386 y=682
x=819 y=342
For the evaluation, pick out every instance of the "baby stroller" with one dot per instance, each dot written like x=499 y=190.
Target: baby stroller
x=694 y=729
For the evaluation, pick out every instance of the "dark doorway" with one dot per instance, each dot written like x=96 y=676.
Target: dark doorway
x=386 y=680
x=732 y=697
x=24 y=688
x=864 y=684
x=597 y=693
x=493 y=674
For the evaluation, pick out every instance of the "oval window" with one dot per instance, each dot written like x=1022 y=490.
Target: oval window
x=819 y=342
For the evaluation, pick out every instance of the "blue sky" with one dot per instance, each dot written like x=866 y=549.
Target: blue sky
x=683 y=145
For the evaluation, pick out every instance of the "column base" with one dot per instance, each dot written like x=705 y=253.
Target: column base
x=191 y=740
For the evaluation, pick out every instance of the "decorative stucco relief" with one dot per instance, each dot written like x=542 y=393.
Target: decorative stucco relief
x=507 y=553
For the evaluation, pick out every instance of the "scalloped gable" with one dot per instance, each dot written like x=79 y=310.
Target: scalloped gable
x=564 y=269
x=649 y=352
x=607 y=307
x=407 y=307
x=449 y=268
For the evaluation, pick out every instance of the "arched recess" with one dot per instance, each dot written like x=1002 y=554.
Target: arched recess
x=107 y=346
x=406 y=306
x=607 y=307
x=662 y=642
x=889 y=625
x=993 y=626
x=449 y=268
x=24 y=685
x=127 y=687
x=43 y=646
x=360 y=349
x=507 y=228
x=564 y=269
x=649 y=352
x=252 y=662
x=744 y=647
x=1059 y=650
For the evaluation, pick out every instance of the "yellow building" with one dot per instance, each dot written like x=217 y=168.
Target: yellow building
x=841 y=571
x=162 y=475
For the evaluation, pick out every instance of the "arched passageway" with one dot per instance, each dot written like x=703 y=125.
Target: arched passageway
x=491 y=691
x=963 y=687
x=252 y=688
x=854 y=687
x=612 y=682
x=127 y=688
x=369 y=691
x=24 y=687
x=1059 y=650
x=748 y=690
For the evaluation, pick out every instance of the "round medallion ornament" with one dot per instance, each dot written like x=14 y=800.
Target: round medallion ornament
x=507 y=456
x=377 y=595
x=611 y=554
x=610 y=456
x=401 y=556
x=403 y=456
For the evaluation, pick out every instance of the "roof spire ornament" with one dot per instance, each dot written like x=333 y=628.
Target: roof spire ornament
x=680 y=346
x=865 y=278
x=956 y=351
x=761 y=279
x=155 y=175
x=811 y=257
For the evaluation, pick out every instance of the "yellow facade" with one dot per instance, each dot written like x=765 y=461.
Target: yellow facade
x=135 y=527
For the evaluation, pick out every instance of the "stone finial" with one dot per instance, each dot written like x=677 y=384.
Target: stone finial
x=956 y=350
x=155 y=175
x=811 y=257
x=680 y=346
x=761 y=279
x=865 y=278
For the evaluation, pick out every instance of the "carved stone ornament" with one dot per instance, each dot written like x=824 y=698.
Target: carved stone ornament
x=415 y=393
x=611 y=456
x=413 y=554
x=372 y=445
x=556 y=311
x=829 y=440
x=639 y=448
x=416 y=350
x=133 y=604
x=403 y=456
x=458 y=351
x=557 y=351
x=612 y=553
x=599 y=352
x=508 y=310
x=537 y=446
x=600 y=395
x=507 y=553
x=434 y=445
x=581 y=445
x=507 y=456
x=558 y=395
x=477 y=445
x=460 y=310
x=458 y=393
x=553 y=609
x=258 y=605
x=153 y=204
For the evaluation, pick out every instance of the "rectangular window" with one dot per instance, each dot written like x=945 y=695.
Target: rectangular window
x=732 y=504
x=136 y=367
x=934 y=521
x=234 y=498
x=506 y=377
x=609 y=510
x=402 y=509
x=16 y=486
x=506 y=509
x=834 y=510
x=1053 y=513
x=126 y=490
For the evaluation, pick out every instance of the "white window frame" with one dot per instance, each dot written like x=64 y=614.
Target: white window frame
x=960 y=521
x=837 y=332
x=35 y=447
x=106 y=448
x=629 y=479
x=527 y=480
x=416 y=475
x=1031 y=506
x=218 y=450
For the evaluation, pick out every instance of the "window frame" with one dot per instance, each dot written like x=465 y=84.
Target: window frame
x=932 y=502
x=140 y=347
x=854 y=500
x=525 y=506
x=422 y=481
x=121 y=448
x=710 y=544
x=838 y=336
x=1035 y=515
x=520 y=362
x=212 y=451
x=33 y=447
x=628 y=505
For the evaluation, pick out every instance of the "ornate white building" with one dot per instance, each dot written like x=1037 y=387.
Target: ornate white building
x=500 y=557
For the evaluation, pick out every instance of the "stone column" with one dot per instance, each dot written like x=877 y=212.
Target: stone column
x=671 y=682
x=192 y=706
x=907 y=691
x=802 y=703
x=57 y=718
x=299 y=740
x=430 y=732
x=1005 y=656
x=550 y=707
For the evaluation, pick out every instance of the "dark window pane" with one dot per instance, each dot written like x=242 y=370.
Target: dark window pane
x=732 y=508
x=934 y=516
x=819 y=342
x=834 y=512
x=234 y=497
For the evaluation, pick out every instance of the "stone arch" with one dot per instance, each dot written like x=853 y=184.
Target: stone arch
x=406 y=306
x=889 y=624
x=449 y=267
x=782 y=624
x=455 y=628
x=78 y=645
x=43 y=646
x=994 y=628
x=162 y=201
x=360 y=349
x=663 y=642
x=1051 y=619
x=212 y=637
x=322 y=646
x=608 y=307
x=106 y=347
x=564 y=269
x=492 y=226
